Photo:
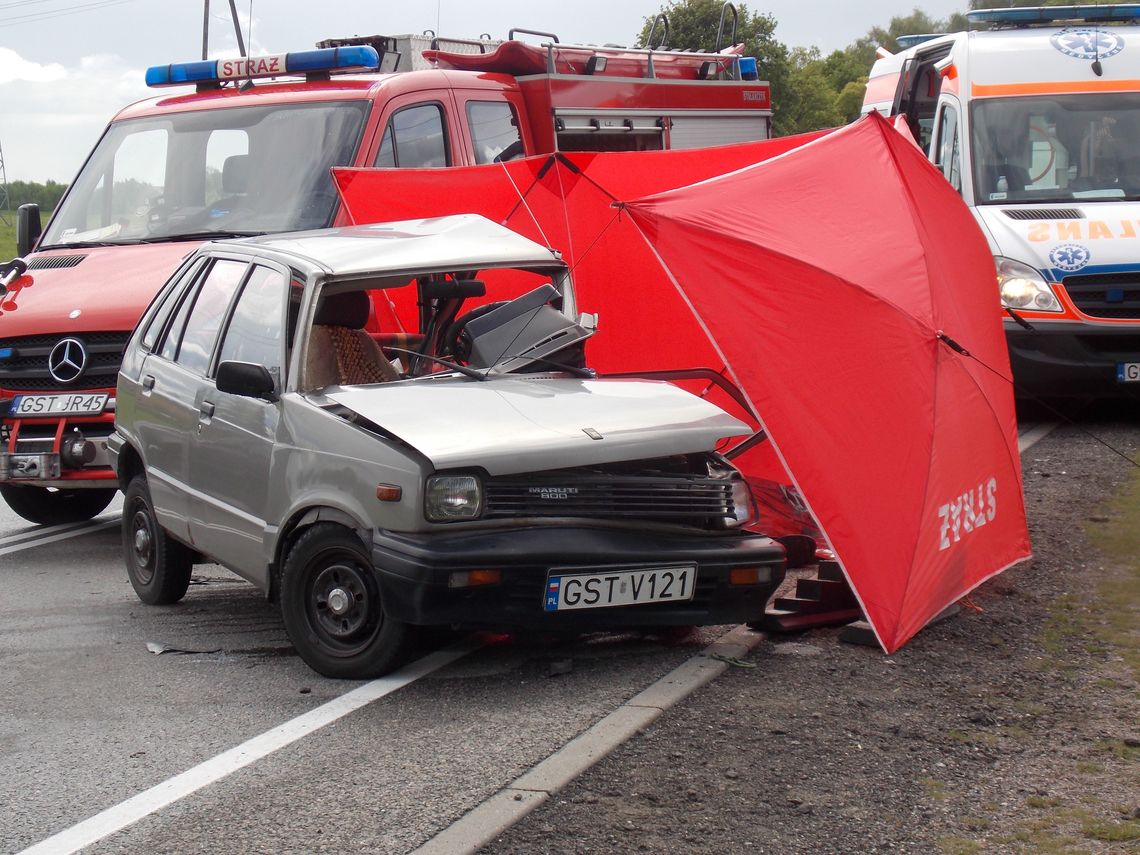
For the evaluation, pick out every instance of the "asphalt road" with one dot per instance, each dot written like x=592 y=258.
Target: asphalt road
x=91 y=717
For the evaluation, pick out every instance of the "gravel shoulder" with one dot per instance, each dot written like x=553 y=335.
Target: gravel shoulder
x=1012 y=727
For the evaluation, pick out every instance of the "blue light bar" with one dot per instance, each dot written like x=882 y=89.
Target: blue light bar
x=6 y=353
x=343 y=59
x=1049 y=14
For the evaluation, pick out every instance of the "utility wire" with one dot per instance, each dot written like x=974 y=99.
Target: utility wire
x=48 y=14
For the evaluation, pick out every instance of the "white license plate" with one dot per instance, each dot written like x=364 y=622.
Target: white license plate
x=567 y=590
x=32 y=406
x=1128 y=372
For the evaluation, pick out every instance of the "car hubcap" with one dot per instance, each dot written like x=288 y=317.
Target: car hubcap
x=143 y=544
x=343 y=605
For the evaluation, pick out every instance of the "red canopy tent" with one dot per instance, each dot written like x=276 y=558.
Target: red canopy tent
x=842 y=286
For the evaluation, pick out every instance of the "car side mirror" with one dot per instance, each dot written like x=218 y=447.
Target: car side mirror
x=28 y=228
x=247 y=379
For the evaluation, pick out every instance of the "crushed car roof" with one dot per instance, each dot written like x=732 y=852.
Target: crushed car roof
x=439 y=243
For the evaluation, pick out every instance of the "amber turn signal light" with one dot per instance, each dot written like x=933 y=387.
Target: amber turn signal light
x=388 y=492
x=747 y=576
x=471 y=578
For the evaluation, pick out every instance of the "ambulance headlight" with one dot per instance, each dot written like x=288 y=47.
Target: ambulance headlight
x=1023 y=287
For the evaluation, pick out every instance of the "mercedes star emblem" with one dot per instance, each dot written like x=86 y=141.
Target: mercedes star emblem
x=67 y=360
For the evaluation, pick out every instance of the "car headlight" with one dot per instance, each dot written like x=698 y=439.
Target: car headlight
x=1023 y=287
x=449 y=498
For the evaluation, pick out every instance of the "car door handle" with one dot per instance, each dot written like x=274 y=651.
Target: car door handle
x=148 y=382
x=206 y=409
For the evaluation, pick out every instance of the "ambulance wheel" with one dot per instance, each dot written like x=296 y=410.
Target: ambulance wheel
x=332 y=607
x=158 y=566
x=49 y=506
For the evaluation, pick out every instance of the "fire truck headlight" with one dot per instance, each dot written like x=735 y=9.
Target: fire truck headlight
x=1023 y=287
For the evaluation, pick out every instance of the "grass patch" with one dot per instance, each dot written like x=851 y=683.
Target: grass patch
x=950 y=845
x=1118 y=593
x=1089 y=767
x=8 y=237
x=1111 y=832
x=1119 y=749
x=1042 y=801
x=935 y=789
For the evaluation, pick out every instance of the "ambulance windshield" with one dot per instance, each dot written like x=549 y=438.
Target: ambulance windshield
x=1056 y=148
x=221 y=171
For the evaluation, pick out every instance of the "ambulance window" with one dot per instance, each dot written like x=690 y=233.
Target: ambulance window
x=415 y=137
x=494 y=131
x=947 y=154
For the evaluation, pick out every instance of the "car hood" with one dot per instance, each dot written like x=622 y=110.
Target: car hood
x=92 y=289
x=508 y=425
x=1065 y=238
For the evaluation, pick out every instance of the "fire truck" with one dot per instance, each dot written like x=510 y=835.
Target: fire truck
x=1035 y=122
x=248 y=151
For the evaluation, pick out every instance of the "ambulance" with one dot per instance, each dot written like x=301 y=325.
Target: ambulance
x=1036 y=122
x=244 y=147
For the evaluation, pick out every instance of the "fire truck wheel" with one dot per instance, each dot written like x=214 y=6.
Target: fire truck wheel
x=331 y=606
x=48 y=507
x=158 y=566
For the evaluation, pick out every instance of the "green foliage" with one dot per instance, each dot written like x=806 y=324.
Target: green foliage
x=47 y=195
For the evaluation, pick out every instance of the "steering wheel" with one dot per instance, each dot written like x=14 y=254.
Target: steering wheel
x=456 y=341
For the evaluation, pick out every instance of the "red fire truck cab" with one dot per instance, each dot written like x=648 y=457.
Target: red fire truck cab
x=249 y=152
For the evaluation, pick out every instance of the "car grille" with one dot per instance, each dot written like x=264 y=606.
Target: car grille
x=26 y=370
x=1105 y=295
x=686 y=499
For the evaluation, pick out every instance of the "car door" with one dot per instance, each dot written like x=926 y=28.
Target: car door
x=232 y=444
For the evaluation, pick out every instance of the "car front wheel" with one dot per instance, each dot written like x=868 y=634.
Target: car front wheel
x=158 y=566
x=50 y=507
x=332 y=608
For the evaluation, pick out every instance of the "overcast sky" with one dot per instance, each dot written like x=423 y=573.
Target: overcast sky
x=66 y=66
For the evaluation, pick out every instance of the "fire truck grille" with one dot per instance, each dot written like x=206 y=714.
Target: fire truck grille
x=1105 y=295
x=26 y=368
x=54 y=262
x=684 y=499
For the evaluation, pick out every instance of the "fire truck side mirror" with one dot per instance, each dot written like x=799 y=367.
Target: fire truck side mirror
x=28 y=228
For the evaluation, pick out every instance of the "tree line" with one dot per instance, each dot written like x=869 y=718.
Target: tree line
x=45 y=195
x=810 y=90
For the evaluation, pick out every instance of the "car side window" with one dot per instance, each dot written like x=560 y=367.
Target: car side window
x=254 y=331
x=165 y=306
x=205 y=318
x=494 y=131
x=415 y=137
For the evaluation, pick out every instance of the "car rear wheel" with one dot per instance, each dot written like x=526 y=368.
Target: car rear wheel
x=50 y=507
x=332 y=608
x=158 y=566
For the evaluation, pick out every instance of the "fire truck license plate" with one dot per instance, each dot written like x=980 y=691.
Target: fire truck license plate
x=33 y=406
x=567 y=590
x=1128 y=372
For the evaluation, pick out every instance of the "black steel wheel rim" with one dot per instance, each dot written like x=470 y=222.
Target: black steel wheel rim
x=343 y=604
x=142 y=543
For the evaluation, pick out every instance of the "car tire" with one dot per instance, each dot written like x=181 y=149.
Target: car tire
x=51 y=507
x=158 y=566
x=332 y=607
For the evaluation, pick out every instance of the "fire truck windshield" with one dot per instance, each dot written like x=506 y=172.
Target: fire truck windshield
x=1056 y=148
x=220 y=171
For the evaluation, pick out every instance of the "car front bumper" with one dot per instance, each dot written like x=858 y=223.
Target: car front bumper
x=414 y=573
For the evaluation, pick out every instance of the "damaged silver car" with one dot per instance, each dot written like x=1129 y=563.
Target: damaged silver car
x=393 y=426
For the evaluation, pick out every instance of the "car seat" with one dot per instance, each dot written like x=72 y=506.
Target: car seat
x=340 y=352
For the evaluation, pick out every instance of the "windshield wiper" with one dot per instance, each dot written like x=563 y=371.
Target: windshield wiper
x=462 y=369
x=203 y=235
x=85 y=244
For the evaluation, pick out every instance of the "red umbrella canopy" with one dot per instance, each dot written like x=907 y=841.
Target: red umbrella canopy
x=852 y=297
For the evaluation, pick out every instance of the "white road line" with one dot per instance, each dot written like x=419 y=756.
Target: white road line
x=159 y=796
x=1034 y=435
x=87 y=528
x=488 y=820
